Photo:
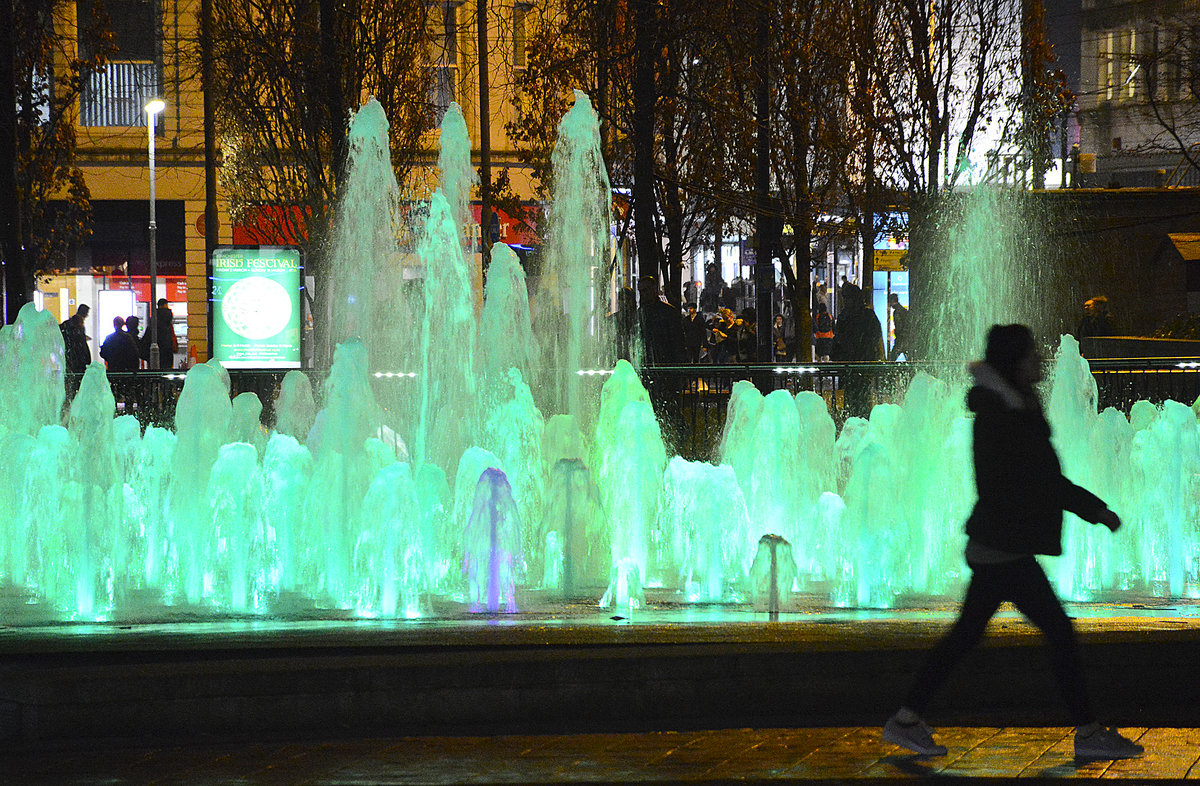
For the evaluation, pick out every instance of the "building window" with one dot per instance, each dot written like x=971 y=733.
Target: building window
x=519 y=35
x=116 y=94
x=443 y=57
x=1105 y=62
x=1128 y=66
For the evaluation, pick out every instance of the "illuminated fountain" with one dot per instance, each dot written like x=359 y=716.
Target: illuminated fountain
x=503 y=478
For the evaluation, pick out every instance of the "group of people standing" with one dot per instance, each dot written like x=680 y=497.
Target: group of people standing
x=726 y=336
x=126 y=348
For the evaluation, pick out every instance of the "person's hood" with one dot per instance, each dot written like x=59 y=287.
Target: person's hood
x=992 y=388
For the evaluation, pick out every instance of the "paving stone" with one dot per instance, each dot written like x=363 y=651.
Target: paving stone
x=714 y=756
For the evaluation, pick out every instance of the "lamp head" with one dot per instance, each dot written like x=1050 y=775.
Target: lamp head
x=154 y=106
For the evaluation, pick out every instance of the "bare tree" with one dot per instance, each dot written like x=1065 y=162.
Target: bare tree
x=288 y=75
x=939 y=86
x=659 y=77
x=1045 y=98
x=1168 y=73
x=52 y=199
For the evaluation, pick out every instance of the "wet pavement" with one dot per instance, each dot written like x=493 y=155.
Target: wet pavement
x=322 y=702
x=823 y=755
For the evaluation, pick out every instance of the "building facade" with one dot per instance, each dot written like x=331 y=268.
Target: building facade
x=1138 y=104
x=155 y=56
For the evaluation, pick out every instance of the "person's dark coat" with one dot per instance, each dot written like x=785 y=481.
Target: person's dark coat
x=694 y=333
x=120 y=351
x=662 y=332
x=167 y=343
x=858 y=335
x=1095 y=325
x=1022 y=491
x=78 y=353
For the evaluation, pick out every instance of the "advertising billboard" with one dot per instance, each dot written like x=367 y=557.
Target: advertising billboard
x=256 y=306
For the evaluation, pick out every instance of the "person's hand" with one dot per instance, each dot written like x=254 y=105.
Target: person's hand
x=1110 y=519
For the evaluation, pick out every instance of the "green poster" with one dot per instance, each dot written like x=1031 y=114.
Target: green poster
x=256 y=307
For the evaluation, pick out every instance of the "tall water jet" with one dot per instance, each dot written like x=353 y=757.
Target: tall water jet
x=202 y=421
x=239 y=553
x=492 y=545
x=870 y=523
x=572 y=302
x=1071 y=412
x=448 y=407
x=505 y=326
x=456 y=175
x=393 y=548
x=287 y=468
x=31 y=365
x=774 y=472
x=92 y=475
x=365 y=266
x=631 y=458
x=933 y=456
x=344 y=467
x=708 y=528
x=575 y=553
x=514 y=433
x=985 y=263
x=295 y=409
x=473 y=463
x=246 y=425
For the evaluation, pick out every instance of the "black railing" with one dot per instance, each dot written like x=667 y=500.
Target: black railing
x=692 y=401
x=1120 y=381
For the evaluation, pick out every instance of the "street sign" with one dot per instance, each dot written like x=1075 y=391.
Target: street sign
x=890 y=259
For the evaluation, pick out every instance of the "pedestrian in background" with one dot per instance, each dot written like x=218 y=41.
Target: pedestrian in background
x=822 y=333
x=168 y=345
x=75 y=340
x=133 y=328
x=1022 y=494
x=858 y=337
x=1096 y=320
x=900 y=328
x=695 y=331
x=779 y=339
x=119 y=351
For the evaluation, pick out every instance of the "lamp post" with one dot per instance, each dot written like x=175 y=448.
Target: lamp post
x=153 y=107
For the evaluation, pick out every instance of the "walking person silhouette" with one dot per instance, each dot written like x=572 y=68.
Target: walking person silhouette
x=1022 y=496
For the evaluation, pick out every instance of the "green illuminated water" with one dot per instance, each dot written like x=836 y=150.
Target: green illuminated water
x=501 y=473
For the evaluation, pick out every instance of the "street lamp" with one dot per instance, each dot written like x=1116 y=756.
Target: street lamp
x=153 y=107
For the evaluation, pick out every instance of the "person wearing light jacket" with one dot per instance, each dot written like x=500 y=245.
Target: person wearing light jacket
x=1022 y=496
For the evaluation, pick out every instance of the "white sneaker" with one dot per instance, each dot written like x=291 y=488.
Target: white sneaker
x=1106 y=744
x=916 y=736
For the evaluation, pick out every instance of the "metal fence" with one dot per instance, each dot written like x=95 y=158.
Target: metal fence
x=691 y=401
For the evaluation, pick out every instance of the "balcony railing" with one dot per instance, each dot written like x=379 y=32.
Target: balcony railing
x=115 y=95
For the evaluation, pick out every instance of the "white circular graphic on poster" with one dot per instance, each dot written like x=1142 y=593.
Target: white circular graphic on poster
x=256 y=307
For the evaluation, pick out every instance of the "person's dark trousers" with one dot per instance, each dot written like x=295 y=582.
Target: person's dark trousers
x=1024 y=583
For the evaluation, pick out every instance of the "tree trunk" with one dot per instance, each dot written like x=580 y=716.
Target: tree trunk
x=211 y=234
x=332 y=116
x=11 y=253
x=485 y=141
x=644 y=204
x=335 y=103
x=672 y=264
x=764 y=269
